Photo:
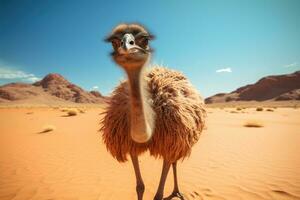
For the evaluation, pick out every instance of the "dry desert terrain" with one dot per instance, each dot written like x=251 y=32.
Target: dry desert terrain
x=45 y=154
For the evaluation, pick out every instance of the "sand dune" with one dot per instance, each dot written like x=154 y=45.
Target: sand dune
x=229 y=162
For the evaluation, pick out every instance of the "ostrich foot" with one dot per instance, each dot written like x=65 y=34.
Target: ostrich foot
x=173 y=195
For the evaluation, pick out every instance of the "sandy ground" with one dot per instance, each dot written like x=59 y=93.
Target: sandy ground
x=230 y=161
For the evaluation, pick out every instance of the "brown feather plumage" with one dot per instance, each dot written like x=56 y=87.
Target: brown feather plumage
x=180 y=117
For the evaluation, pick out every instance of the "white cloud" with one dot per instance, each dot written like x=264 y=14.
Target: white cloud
x=228 y=69
x=8 y=74
x=95 y=87
x=291 y=65
x=33 y=79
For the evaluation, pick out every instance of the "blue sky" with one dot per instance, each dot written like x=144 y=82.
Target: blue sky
x=218 y=44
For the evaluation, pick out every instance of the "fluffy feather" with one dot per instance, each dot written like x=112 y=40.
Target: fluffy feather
x=179 y=121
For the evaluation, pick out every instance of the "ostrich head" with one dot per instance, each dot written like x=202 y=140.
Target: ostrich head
x=131 y=51
x=130 y=46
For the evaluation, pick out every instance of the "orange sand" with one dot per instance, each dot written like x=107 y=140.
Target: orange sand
x=229 y=162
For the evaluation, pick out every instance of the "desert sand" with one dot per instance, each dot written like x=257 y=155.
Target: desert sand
x=230 y=161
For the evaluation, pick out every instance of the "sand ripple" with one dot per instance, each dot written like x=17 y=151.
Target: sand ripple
x=229 y=162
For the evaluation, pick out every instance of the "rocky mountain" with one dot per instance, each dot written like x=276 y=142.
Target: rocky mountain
x=52 y=87
x=277 y=88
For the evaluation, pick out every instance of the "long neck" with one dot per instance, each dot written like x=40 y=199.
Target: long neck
x=141 y=116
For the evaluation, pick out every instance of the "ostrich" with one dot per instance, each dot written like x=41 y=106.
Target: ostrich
x=156 y=110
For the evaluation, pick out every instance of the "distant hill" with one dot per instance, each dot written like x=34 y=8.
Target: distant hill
x=53 y=88
x=274 y=88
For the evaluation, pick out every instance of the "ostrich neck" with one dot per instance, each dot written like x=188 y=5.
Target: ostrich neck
x=141 y=116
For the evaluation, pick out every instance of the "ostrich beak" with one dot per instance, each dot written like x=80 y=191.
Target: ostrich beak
x=128 y=45
x=128 y=41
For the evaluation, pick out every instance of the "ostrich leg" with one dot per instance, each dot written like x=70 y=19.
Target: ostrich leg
x=175 y=192
x=140 y=187
x=160 y=191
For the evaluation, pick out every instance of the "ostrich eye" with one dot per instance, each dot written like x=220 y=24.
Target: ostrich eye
x=116 y=43
x=142 y=42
